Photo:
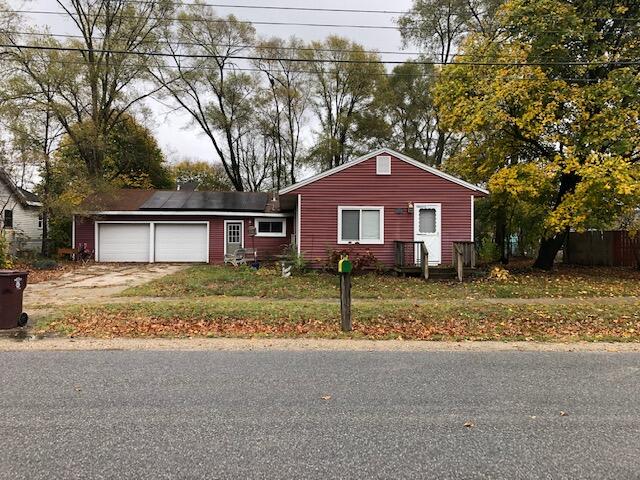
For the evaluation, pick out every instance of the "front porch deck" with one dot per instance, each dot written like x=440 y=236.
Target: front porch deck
x=409 y=256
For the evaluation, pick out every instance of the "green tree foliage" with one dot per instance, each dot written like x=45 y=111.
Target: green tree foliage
x=132 y=158
x=569 y=130
x=205 y=175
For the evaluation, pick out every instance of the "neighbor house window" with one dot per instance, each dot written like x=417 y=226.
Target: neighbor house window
x=361 y=225
x=40 y=221
x=270 y=227
x=8 y=219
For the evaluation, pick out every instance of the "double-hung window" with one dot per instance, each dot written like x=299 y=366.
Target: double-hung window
x=361 y=225
x=271 y=227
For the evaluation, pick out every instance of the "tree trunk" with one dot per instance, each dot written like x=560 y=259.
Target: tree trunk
x=440 y=146
x=501 y=234
x=549 y=248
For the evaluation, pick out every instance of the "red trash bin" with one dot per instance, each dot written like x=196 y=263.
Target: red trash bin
x=12 y=285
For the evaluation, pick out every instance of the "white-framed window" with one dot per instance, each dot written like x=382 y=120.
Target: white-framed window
x=271 y=227
x=40 y=219
x=363 y=225
x=383 y=165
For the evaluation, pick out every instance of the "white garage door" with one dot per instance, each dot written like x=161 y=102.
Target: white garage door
x=123 y=242
x=181 y=242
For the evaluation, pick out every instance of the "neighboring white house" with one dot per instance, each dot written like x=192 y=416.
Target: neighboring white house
x=20 y=216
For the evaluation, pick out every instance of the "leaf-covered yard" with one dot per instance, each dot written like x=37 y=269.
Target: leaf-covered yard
x=205 y=280
x=565 y=305
x=443 y=320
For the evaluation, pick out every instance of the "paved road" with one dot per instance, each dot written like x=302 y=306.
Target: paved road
x=156 y=415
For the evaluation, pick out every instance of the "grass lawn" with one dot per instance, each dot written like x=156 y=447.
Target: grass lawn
x=206 y=280
x=441 y=320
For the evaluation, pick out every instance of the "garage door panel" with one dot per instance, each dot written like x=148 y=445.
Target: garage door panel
x=123 y=242
x=181 y=242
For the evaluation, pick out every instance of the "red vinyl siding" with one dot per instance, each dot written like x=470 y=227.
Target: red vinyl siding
x=85 y=233
x=360 y=186
x=265 y=246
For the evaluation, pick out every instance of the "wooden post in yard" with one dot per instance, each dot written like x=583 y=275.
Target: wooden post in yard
x=344 y=268
x=345 y=302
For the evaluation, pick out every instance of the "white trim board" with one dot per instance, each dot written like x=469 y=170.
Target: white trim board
x=299 y=224
x=391 y=152
x=178 y=213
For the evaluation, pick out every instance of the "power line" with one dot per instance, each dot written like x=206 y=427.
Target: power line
x=307 y=60
x=235 y=68
x=269 y=23
x=272 y=7
x=194 y=44
x=215 y=20
x=333 y=25
x=161 y=43
x=349 y=10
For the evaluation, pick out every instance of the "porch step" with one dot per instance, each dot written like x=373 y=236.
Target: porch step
x=437 y=273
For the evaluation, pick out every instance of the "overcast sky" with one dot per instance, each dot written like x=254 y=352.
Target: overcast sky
x=178 y=141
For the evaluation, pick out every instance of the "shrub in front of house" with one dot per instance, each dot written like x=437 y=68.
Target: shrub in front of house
x=365 y=261
x=44 y=264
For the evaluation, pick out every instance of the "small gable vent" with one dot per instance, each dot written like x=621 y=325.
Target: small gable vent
x=383 y=165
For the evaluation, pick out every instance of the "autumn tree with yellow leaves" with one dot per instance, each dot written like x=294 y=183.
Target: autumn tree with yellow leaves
x=551 y=116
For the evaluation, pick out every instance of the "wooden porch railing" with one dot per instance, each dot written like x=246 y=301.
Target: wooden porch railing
x=464 y=255
x=407 y=258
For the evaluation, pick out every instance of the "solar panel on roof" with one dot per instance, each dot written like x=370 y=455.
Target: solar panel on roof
x=227 y=201
x=156 y=201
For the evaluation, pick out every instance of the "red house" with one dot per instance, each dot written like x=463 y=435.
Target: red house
x=367 y=204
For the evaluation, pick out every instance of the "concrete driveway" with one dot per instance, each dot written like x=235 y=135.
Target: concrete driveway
x=93 y=283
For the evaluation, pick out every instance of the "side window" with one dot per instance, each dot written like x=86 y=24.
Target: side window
x=8 y=219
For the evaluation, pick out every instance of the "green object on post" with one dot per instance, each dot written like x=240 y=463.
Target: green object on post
x=345 y=265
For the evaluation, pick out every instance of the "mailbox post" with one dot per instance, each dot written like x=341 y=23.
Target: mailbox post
x=344 y=268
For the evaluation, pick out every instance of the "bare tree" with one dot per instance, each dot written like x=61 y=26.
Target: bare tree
x=95 y=79
x=343 y=82
x=204 y=80
x=288 y=99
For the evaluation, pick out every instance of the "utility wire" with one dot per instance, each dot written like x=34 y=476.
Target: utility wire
x=307 y=60
x=343 y=10
x=235 y=68
x=163 y=43
x=212 y=20
x=250 y=22
x=273 y=7
x=195 y=44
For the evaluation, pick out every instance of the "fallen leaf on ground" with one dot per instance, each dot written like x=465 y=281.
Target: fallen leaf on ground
x=563 y=414
x=326 y=397
x=469 y=424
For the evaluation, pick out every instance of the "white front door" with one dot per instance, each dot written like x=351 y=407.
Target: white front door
x=427 y=228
